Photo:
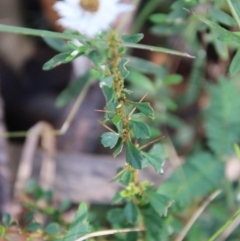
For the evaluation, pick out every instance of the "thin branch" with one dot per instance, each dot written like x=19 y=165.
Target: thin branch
x=195 y=216
x=229 y=229
x=107 y=127
x=151 y=142
x=74 y=110
x=106 y=111
x=139 y=102
x=227 y=224
x=109 y=232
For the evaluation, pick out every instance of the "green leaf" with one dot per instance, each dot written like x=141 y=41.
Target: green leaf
x=112 y=108
x=122 y=67
x=64 y=205
x=108 y=93
x=40 y=33
x=172 y=79
x=141 y=81
x=131 y=212
x=107 y=81
x=34 y=226
x=116 y=216
x=222 y=17
x=133 y=38
x=28 y=217
x=156 y=49
x=72 y=91
x=126 y=177
x=223 y=33
x=118 y=150
x=2 y=231
x=222 y=121
x=6 y=220
x=158 y=18
x=235 y=63
x=109 y=139
x=116 y=119
x=79 y=226
x=133 y=156
x=160 y=203
x=52 y=229
x=200 y=175
x=140 y=129
x=154 y=161
x=57 y=44
x=153 y=224
x=144 y=66
x=145 y=108
x=57 y=60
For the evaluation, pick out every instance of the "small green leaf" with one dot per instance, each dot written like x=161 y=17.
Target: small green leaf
x=6 y=220
x=133 y=38
x=28 y=217
x=222 y=17
x=173 y=79
x=235 y=63
x=133 y=156
x=122 y=67
x=79 y=226
x=126 y=177
x=2 y=231
x=116 y=119
x=111 y=107
x=140 y=80
x=52 y=229
x=140 y=129
x=131 y=212
x=64 y=205
x=116 y=216
x=34 y=226
x=154 y=161
x=118 y=150
x=108 y=93
x=222 y=32
x=107 y=81
x=145 y=108
x=57 y=44
x=109 y=139
x=158 y=18
x=57 y=60
x=160 y=203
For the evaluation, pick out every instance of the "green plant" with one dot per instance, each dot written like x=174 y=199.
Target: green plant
x=144 y=211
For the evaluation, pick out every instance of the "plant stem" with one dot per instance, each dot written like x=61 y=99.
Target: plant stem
x=234 y=216
x=195 y=216
x=109 y=232
x=234 y=13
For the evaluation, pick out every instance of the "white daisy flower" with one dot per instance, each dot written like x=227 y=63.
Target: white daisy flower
x=89 y=17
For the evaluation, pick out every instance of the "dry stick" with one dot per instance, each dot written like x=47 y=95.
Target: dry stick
x=26 y=160
x=151 y=142
x=195 y=216
x=48 y=168
x=107 y=127
x=73 y=111
x=66 y=123
x=109 y=232
x=229 y=229
x=138 y=102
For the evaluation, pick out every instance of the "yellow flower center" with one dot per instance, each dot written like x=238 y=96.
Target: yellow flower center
x=90 y=5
